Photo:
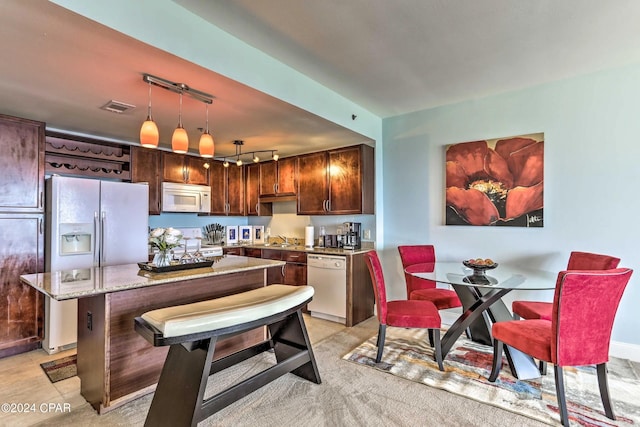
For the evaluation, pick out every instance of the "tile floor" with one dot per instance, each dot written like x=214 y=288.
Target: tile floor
x=28 y=397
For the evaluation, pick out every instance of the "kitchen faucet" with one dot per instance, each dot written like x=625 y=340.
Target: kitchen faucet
x=284 y=239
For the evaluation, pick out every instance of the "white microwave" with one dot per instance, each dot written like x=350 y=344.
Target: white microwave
x=185 y=197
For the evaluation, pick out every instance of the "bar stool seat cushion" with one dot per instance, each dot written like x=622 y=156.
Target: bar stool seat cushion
x=227 y=311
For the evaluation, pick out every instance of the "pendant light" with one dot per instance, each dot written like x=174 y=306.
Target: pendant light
x=206 y=145
x=180 y=139
x=149 y=135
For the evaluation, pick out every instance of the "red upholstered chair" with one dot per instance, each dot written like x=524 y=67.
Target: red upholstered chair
x=423 y=289
x=577 y=261
x=578 y=334
x=404 y=313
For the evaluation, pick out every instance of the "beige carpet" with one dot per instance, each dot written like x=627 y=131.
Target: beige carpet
x=407 y=354
x=349 y=395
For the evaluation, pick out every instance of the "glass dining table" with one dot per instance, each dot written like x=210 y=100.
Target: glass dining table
x=481 y=291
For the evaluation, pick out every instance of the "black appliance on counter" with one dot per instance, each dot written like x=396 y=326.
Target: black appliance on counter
x=351 y=238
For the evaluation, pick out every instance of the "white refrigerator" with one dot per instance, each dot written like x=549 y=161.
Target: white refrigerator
x=90 y=223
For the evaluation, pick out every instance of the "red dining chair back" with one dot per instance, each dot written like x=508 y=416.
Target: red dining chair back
x=416 y=258
x=591 y=261
x=403 y=313
x=577 y=261
x=583 y=310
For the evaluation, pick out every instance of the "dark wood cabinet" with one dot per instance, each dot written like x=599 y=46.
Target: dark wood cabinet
x=146 y=164
x=278 y=178
x=21 y=233
x=253 y=252
x=252 y=190
x=351 y=180
x=313 y=184
x=22 y=308
x=233 y=250
x=184 y=169
x=227 y=189
x=22 y=165
x=293 y=273
x=337 y=182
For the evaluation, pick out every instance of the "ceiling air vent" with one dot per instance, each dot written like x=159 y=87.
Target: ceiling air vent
x=117 y=107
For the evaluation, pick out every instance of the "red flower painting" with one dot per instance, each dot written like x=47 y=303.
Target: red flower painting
x=496 y=182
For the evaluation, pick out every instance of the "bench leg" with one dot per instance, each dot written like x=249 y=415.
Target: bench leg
x=178 y=397
x=290 y=337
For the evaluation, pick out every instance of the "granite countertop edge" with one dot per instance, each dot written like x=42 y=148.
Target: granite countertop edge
x=130 y=276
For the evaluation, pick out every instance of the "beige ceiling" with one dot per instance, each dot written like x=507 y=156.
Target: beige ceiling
x=390 y=57
x=60 y=68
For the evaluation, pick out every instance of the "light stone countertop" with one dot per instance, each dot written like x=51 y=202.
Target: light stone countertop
x=78 y=283
x=366 y=247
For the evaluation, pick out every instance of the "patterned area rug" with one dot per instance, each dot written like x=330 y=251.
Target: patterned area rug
x=407 y=354
x=60 y=369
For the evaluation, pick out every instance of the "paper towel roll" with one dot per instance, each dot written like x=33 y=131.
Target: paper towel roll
x=308 y=236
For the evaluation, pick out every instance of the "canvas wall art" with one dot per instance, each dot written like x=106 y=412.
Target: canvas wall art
x=496 y=182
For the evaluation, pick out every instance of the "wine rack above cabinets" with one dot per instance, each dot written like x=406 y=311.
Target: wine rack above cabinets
x=71 y=155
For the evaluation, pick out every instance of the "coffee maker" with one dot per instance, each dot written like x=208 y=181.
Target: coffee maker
x=351 y=238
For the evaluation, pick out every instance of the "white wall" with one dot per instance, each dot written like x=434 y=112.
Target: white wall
x=592 y=150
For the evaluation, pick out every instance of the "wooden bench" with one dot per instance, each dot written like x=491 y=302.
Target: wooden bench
x=192 y=330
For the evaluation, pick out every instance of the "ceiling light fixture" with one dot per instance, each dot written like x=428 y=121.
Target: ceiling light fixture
x=206 y=146
x=149 y=135
x=254 y=154
x=180 y=138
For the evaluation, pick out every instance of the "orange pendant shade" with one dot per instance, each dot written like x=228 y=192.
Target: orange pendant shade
x=180 y=140
x=206 y=145
x=149 y=135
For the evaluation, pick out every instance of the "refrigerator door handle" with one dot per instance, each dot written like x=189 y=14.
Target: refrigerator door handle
x=95 y=239
x=102 y=234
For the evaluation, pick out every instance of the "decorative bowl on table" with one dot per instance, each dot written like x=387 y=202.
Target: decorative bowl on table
x=479 y=265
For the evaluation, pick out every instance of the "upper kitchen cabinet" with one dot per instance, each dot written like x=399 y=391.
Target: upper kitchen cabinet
x=145 y=167
x=337 y=182
x=184 y=169
x=278 y=178
x=227 y=189
x=22 y=165
x=252 y=191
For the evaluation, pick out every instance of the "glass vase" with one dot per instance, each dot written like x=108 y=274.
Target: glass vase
x=162 y=259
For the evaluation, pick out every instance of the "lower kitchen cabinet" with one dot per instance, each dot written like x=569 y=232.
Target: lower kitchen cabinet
x=252 y=252
x=293 y=273
x=233 y=251
x=22 y=308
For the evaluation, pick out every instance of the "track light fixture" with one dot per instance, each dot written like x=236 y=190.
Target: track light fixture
x=180 y=141
x=254 y=154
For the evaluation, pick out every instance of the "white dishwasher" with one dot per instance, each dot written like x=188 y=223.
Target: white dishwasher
x=328 y=276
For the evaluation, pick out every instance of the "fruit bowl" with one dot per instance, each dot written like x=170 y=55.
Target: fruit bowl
x=479 y=265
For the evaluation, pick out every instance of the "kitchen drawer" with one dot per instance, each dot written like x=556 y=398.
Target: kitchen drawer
x=294 y=256
x=233 y=251
x=252 y=252
x=272 y=254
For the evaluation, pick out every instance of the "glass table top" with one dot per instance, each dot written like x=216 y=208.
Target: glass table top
x=504 y=276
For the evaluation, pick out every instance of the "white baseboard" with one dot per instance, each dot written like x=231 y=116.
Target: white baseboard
x=621 y=350
x=625 y=350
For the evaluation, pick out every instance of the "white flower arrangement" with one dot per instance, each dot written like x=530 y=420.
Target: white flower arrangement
x=165 y=238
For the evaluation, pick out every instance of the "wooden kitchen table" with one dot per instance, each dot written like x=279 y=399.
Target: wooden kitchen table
x=115 y=364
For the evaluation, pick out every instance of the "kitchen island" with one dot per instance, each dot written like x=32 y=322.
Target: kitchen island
x=115 y=364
